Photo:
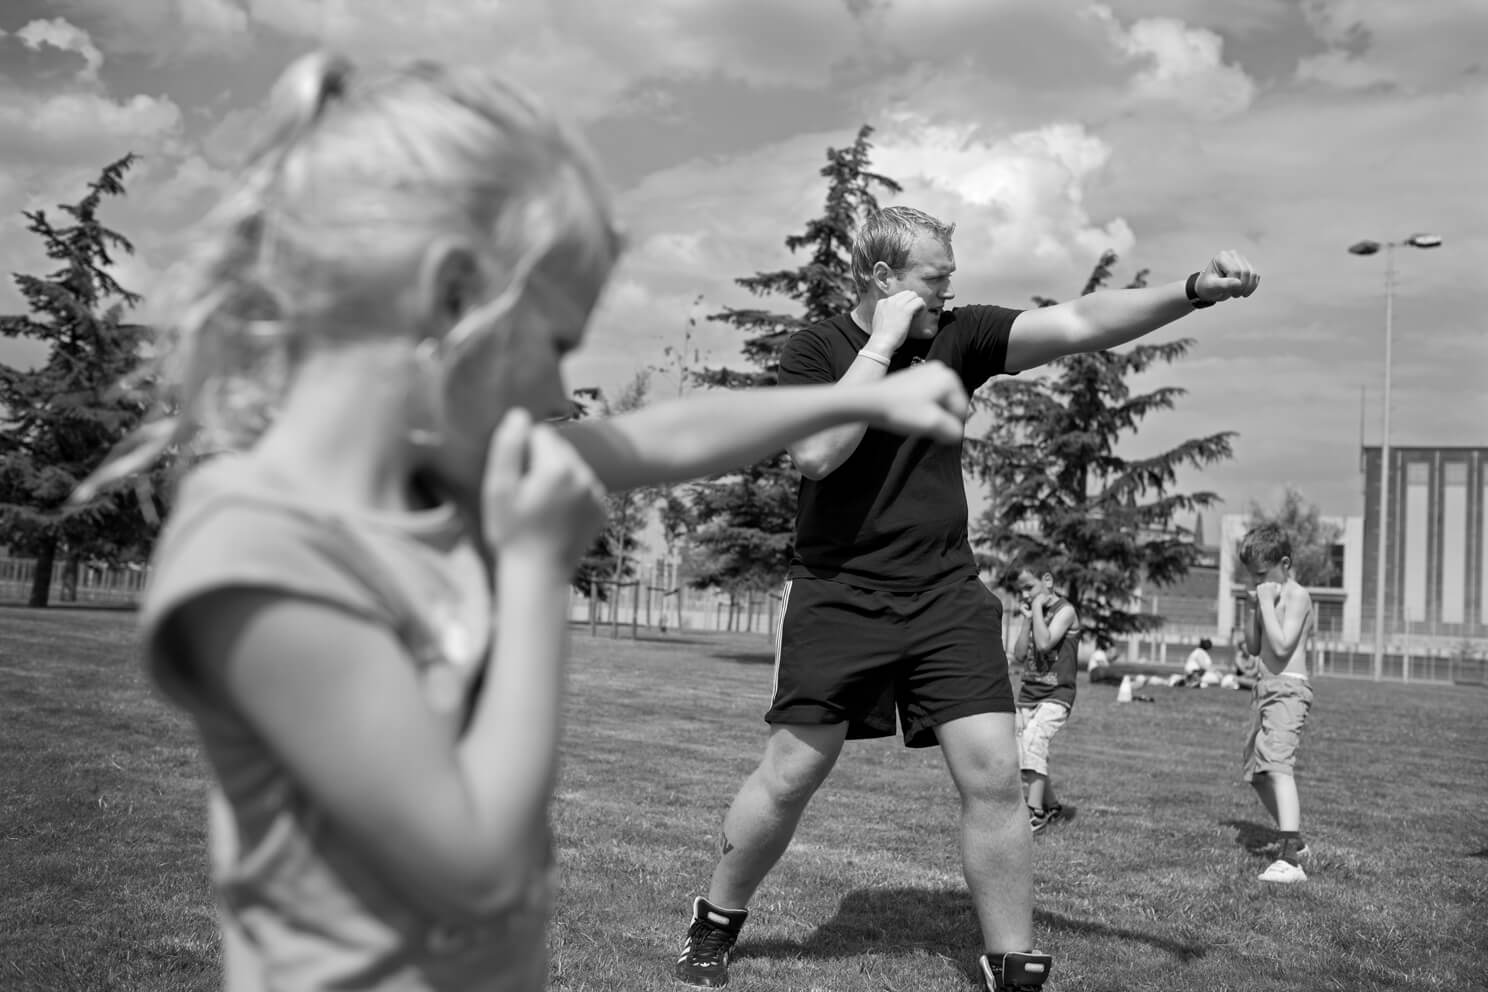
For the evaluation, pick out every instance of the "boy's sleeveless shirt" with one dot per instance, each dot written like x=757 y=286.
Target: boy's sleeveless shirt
x=1048 y=675
x=300 y=908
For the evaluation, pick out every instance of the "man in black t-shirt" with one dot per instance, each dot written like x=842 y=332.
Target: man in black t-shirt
x=883 y=612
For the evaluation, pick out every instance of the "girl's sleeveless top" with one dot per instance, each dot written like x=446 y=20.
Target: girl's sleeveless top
x=300 y=909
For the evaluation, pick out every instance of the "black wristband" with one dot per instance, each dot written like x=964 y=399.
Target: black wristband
x=1190 y=289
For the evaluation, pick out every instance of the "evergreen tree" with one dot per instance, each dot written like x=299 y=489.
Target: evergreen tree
x=58 y=421
x=741 y=525
x=1060 y=493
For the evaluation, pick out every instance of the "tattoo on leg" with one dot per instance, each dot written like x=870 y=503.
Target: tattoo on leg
x=724 y=844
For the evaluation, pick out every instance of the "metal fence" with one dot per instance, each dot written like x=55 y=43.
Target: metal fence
x=633 y=607
x=1427 y=665
x=1465 y=663
x=98 y=585
x=630 y=607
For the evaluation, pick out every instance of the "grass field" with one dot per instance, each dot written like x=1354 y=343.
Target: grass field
x=1151 y=887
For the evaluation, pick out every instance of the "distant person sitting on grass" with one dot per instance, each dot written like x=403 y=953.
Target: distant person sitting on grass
x=1198 y=664
x=1276 y=632
x=1045 y=658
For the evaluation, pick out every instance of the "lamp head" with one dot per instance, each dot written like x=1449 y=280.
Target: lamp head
x=1424 y=241
x=1364 y=247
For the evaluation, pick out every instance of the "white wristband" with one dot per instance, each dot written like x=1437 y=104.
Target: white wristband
x=873 y=356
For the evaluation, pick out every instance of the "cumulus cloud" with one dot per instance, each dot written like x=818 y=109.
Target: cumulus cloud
x=60 y=34
x=79 y=120
x=1019 y=200
x=76 y=125
x=166 y=29
x=1181 y=65
x=56 y=140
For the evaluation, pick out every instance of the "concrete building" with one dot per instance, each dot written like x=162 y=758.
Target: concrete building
x=1436 y=544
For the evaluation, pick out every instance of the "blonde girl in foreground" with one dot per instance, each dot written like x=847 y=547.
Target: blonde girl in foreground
x=361 y=598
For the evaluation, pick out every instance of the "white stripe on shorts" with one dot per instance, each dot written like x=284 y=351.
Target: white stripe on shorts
x=779 y=634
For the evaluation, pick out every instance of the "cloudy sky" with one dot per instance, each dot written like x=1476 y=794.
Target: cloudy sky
x=1166 y=130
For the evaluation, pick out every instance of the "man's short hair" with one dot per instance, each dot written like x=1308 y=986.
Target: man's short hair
x=1264 y=547
x=887 y=235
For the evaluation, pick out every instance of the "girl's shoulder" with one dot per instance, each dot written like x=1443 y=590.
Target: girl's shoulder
x=237 y=526
x=231 y=522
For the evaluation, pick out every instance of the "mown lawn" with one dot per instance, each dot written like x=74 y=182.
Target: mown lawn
x=1151 y=887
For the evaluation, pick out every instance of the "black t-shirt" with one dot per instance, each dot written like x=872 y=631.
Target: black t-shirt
x=893 y=516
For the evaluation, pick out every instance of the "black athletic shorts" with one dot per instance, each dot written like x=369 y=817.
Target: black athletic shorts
x=847 y=654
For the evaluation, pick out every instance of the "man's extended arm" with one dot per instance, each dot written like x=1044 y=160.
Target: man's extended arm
x=1102 y=320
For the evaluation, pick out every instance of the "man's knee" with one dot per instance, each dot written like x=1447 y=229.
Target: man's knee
x=982 y=753
x=797 y=761
x=1002 y=783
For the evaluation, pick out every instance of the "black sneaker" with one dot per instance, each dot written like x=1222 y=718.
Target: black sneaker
x=705 y=953
x=1040 y=819
x=1015 y=972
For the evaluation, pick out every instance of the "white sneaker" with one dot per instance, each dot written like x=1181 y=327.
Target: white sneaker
x=1283 y=871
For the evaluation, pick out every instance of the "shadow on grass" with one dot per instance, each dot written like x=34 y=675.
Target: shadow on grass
x=746 y=657
x=1252 y=836
x=938 y=921
x=20 y=606
x=605 y=633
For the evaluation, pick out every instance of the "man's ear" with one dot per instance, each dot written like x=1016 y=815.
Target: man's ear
x=449 y=285
x=882 y=273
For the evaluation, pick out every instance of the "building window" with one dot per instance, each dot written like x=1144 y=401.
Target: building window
x=1454 y=542
x=1417 y=517
x=1336 y=554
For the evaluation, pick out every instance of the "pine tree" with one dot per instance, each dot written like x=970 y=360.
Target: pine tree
x=58 y=421
x=1060 y=493
x=741 y=525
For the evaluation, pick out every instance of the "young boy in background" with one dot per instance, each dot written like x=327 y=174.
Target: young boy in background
x=1276 y=632
x=1046 y=659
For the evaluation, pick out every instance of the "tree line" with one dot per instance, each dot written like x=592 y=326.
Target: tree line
x=1058 y=487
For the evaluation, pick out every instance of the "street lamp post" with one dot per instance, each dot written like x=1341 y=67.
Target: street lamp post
x=1370 y=248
